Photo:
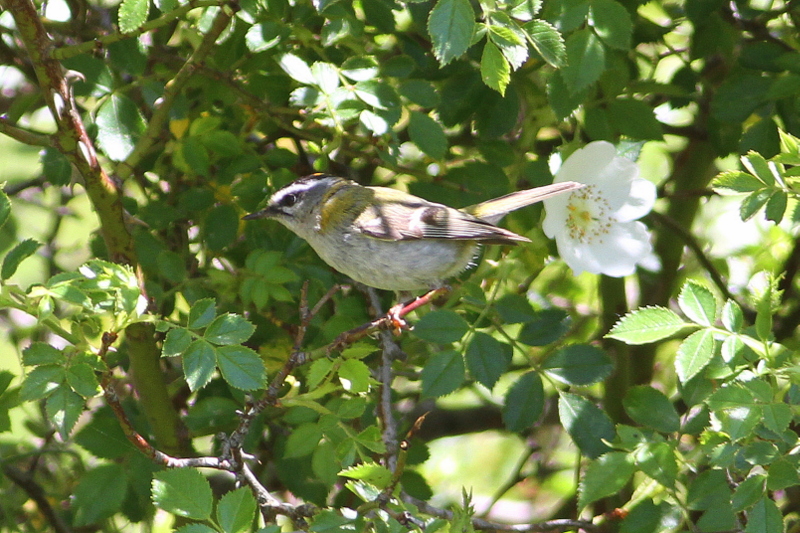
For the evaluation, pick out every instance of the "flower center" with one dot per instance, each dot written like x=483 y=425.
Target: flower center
x=588 y=215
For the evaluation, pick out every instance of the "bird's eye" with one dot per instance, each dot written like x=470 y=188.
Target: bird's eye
x=289 y=200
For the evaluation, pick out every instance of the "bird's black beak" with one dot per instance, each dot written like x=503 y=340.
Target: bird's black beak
x=264 y=213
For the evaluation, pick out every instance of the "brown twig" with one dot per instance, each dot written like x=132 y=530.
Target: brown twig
x=37 y=494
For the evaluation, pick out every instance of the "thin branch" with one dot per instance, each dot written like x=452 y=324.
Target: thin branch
x=24 y=136
x=37 y=494
x=99 y=43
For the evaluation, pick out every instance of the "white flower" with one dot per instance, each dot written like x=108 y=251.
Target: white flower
x=596 y=228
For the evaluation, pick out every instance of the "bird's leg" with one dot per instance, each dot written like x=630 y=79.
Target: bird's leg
x=396 y=313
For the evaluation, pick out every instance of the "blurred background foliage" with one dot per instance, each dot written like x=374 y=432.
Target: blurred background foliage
x=139 y=133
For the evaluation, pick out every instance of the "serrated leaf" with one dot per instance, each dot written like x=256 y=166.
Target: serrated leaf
x=646 y=325
x=657 y=460
x=495 y=69
x=5 y=208
x=41 y=353
x=524 y=402
x=17 y=255
x=199 y=363
x=119 y=125
x=63 y=408
x=698 y=303
x=441 y=326
x=202 y=313
x=82 y=379
x=736 y=181
x=236 y=510
x=586 y=59
x=442 y=374
x=650 y=407
x=370 y=472
x=487 y=359
x=176 y=342
x=605 y=476
x=753 y=203
x=229 y=328
x=765 y=517
x=579 y=364
x=450 y=26
x=694 y=353
x=41 y=382
x=354 y=376
x=612 y=22
x=546 y=40
x=99 y=494
x=241 y=367
x=184 y=492
x=427 y=134
x=587 y=424
x=132 y=14
x=296 y=68
x=776 y=206
x=303 y=440
x=732 y=316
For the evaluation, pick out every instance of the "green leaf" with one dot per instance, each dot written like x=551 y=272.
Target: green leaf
x=650 y=407
x=5 y=208
x=442 y=374
x=55 y=167
x=420 y=92
x=176 y=342
x=236 y=510
x=41 y=353
x=99 y=494
x=698 y=303
x=694 y=353
x=119 y=126
x=229 y=328
x=708 y=490
x=441 y=326
x=524 y=402
x=360 y=68
x=199 y=363
x=776 y=206
x=487 y=359
x=17 y=255
x=748 y=492
x=82 y=379
x=545 y=327
x=63 y=408
x=450 y=26
x=377 y=475
x=765 y=517
x=732 y=316
x=220 y=227
x=579 y=364
x=612 y=22
x=495 y=69
x=777 y=417
x=241 y=367
x=587 y=424
x=132 y=14
x=782 y=474
x=515 y=309
x=634 y=118
x=202 y=313
x=605 y=476
x=325 y=464
x=184 y=492
x=736 y=181
x=645 y=325
x=296 y=68
x=354 y=376
x=41 y=382
x=427 y=134
x=302 y=440
x=546 y=40
x=753 y=203
x=586 y=59
x=509 y=38
x=658 y=460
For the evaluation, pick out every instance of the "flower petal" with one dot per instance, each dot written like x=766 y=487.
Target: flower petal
x=639 y=203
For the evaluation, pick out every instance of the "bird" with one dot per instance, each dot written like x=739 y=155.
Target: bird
x=389 y=239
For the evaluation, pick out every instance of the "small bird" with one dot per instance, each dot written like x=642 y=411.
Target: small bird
x=389 y=239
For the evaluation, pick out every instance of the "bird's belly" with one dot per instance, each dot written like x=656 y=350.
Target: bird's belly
x=396 y=265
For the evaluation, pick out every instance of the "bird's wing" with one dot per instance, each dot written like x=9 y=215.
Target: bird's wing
x=427 y=220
